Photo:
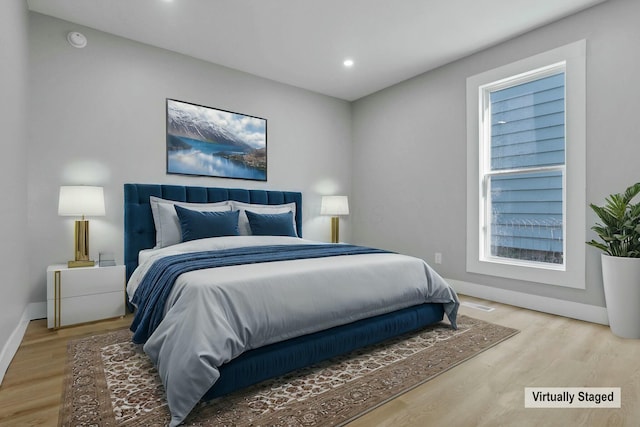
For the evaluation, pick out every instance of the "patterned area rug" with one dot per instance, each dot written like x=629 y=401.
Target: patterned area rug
x=111 y=382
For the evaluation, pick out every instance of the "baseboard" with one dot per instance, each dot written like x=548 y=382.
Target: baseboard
x=574 y=310
x=35 y=310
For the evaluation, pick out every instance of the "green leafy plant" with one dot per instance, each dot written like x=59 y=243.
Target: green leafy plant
x=620 y=227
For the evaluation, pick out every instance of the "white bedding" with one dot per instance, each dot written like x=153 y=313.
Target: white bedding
x=144 y=254
x=214 y=315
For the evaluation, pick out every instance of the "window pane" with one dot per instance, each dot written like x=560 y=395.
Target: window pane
x=528 y=124
x=526 y=216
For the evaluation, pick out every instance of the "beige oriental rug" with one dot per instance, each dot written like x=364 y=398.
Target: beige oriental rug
x=111 y=382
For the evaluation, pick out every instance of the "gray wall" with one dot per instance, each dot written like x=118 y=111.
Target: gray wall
x=409 y=145
x=97 y=116
x=13 y=166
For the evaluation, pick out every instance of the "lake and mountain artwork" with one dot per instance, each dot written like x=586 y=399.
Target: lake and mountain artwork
x=211 y=142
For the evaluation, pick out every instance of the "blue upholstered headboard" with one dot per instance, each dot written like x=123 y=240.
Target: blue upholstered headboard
x=139 y=229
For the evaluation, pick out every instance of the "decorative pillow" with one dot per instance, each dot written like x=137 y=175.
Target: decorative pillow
x=271 y=224
x=243 y=223
x=203 y=224
x=166 y=220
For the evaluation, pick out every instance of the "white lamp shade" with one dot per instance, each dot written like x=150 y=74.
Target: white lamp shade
x=81 y=200
x=334 y=205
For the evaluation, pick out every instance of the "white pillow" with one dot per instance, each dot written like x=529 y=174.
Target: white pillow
x=168 y=231
x=243 y=222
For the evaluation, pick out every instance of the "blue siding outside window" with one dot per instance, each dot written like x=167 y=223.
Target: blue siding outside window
x=528 y=132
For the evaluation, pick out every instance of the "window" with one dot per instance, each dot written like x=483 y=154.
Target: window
x=523 y=142
x=526 y=162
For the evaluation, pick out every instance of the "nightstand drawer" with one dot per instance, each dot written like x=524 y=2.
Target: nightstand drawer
x=79 y=295
x=85 y=281
x=85 y=308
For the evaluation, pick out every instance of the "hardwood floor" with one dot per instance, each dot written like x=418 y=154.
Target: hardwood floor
x=550 y=351
x=31 y=389
x=487 y=390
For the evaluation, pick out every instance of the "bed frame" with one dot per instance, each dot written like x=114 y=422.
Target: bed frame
x=279 y=358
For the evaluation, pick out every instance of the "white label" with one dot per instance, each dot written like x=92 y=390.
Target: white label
x=572 y=397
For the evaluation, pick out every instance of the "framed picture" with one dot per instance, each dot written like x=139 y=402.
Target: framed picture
x=210 y=142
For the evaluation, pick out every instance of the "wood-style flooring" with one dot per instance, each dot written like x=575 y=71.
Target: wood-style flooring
x=488 y=390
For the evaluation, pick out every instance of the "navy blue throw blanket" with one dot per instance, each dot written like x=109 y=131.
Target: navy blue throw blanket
x=154 y=288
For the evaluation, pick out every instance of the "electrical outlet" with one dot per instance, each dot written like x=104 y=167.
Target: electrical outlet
x=438 y=258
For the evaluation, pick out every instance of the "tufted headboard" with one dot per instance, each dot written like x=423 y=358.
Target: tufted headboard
x=139 y=229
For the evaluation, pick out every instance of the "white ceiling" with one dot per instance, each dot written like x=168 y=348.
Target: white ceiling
x=304 y=42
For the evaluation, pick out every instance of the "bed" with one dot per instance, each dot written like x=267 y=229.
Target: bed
x=264 y=343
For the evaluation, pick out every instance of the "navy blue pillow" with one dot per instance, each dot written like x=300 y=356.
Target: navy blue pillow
x=271 y=224
x=200 y=225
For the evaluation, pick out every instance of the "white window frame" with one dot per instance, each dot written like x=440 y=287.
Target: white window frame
x=486 y=170
x=572 y=272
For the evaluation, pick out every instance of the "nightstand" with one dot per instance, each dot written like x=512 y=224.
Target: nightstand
x=84 y=294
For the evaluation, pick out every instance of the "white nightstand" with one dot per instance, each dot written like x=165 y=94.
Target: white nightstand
x=85 y=294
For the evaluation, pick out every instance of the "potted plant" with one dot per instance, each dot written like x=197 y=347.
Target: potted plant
x=619 y=231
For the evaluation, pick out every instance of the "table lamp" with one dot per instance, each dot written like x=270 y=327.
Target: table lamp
x=335 y=206
x=78 y=201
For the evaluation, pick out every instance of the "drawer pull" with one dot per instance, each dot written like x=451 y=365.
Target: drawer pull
x=57 y=297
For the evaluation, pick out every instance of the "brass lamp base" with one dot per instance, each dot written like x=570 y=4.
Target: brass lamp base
x=335 y=229
x=81 y=245
x=74 y=264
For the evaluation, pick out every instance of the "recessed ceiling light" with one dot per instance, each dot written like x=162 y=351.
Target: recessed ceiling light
x=348 y=63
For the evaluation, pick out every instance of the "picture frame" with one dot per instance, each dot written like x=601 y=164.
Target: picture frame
x=206 y=141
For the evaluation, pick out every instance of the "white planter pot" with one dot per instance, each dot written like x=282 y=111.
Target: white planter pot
x=621 y=279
